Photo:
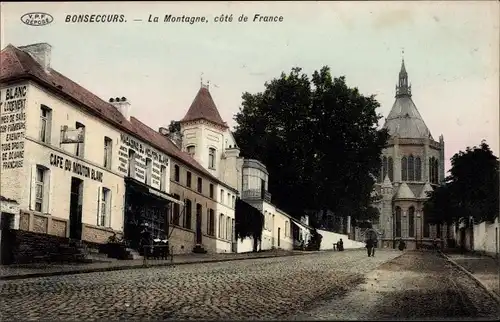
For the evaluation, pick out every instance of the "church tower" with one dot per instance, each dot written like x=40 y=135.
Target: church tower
x=412 y=164
x=207 y=138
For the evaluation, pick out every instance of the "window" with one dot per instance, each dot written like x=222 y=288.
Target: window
x=228 y=198
x=398 y=222
x=211 y=222
x=211 y=158
x=221 y=225
x=191 y=150
x=228 y=228
x=40 y=197
x=286 y=229
x=384 y=168
x=426 y=227
x=411 y=222
x=265 y=221
x=234 y=201
x=149 y=169
x=45 y=123
x=221 y=196
x=211 y=190
x=390 y=168
x=104 y=208
x=418 y=169
x=433 y=170
x=176 y=213
x=187 y=213
x=177 y=173
x=200 y=185
x=188 y=179
x=108 y=145
x=79 y=151
x=404 y=169
x=411 y=168
x=232 y=230
x=163 y=178
x=131 y=163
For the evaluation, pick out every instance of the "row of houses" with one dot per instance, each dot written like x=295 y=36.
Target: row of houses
x=78 y=167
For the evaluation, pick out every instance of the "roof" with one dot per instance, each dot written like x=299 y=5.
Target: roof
x=16 y=64
x=404 y=120
x=404 y=192
x=203 y=108
x=427 y=188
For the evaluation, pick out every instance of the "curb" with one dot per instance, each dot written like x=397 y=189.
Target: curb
x=493 y=295
x=130 y=267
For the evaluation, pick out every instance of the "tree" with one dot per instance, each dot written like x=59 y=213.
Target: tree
x=318 y=139
x=470 y=191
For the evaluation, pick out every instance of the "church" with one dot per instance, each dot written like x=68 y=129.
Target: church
x=412 y=165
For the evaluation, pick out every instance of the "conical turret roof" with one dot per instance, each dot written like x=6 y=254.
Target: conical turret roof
x=203 y=107
x=404 y=192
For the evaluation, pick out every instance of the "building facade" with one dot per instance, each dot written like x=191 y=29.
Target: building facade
x=412 y=165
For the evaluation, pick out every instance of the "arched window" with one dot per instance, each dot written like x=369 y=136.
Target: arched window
x=436 y=171
x=391 y=168
x=411 y=222
x=211 y=158
x=384 y=168
x=418 y=169
x=411 y=168
x=398 y=222
x=404 y=169
x=191 y=150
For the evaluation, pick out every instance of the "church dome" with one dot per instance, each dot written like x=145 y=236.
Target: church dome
x=404 y=120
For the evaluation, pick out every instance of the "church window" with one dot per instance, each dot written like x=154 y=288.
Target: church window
x=411 y=168
x=433 y=170
x=391 y=168
x=398 y=222
x=404 y=169
x=418 y=169
x=411 y=222
x=436 y=168
x=211 y=158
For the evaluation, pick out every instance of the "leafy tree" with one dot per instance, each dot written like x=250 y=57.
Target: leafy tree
x=249 y=222
x=318 y=138
x=471 y=189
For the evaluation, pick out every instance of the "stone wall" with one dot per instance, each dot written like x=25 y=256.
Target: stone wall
x=29 y=246
x=97 y=235
x=43 y=223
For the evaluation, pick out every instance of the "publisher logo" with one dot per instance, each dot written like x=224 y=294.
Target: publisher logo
x=37 y=19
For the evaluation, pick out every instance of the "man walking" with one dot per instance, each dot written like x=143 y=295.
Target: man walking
x=370 y=247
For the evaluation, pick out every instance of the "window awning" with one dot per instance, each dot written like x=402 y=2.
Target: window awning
x=165 y=196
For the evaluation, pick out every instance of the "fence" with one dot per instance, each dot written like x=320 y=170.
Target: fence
x=154 y=253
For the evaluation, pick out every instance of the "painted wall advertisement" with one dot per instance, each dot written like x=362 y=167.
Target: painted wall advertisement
x=12 y=126
x=142 y=152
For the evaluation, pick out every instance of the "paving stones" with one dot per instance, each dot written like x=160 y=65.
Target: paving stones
x=259 y=289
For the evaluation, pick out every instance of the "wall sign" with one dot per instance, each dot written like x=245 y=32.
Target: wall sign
x=75 y=167
x=142 y=152
x=12 y=126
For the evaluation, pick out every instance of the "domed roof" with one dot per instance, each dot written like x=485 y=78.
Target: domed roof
x=404 y=120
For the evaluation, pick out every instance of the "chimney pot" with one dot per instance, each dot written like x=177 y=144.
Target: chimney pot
x=111 y=100
x=124 y=99
x=117 y=99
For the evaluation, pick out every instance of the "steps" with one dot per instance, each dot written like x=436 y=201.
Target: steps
x=198 y=249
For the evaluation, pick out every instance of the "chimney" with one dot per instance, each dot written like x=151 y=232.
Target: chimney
x=40 y=52
x=173 y=133
x=122 y=105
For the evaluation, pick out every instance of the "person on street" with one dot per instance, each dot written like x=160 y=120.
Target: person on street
x=370 y=247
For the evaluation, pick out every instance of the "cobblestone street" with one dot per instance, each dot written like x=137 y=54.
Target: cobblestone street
x=249 y=289
x=417 y=285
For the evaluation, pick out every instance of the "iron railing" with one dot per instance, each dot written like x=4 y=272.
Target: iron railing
x=256 y=194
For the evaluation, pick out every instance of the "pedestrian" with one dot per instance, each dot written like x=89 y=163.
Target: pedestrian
x=340 y=245
x=402 y=245
x=370 y=247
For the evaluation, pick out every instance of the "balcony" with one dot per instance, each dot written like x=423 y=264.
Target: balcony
x=255 y=194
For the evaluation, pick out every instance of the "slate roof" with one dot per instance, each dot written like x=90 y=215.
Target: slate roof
x=404 y=120
x=404 y=192
x=203 y=107
x=17 y=65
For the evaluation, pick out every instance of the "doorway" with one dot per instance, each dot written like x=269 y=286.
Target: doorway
x=279 y=237
x=75 y=209
x=198 y=224
x=6 y=237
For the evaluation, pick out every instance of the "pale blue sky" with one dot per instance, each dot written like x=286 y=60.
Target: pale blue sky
x=451 y=55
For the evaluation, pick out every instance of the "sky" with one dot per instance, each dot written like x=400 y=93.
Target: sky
x=451 y=52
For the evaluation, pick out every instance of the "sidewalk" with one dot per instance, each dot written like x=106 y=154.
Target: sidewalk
x=484 y=269
x=10 y=272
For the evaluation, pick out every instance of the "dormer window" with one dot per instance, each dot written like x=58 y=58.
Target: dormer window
x=211 y=158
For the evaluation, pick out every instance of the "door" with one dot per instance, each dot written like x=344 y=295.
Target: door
x=279 y=237
x=198 y=224
x=6 y=237
x=75 y=209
